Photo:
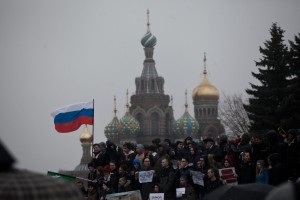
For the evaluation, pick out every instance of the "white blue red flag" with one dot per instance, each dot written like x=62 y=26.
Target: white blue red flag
x=71 y=117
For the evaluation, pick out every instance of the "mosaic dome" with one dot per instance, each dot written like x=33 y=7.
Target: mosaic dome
x=128 y=125
x=148 y=40
x=186 y=124
x=112 y=128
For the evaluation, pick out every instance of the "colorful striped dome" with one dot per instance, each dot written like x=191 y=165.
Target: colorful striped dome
x=148 y=40
x=186 y=124
x=112 y=128
x=128 y=125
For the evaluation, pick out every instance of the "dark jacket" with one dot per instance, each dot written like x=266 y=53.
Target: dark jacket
x=101 y=160
x=211 y=185
x=246 y=172
x=277 y=174
x=146 y=188
x=166 y=183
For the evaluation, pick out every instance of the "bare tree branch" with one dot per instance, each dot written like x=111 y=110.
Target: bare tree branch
x=233 y=114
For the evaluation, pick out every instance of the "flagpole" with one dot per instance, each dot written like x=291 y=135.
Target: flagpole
x=93 y=128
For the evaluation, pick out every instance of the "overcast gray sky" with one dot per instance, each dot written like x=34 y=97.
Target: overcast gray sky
x=59 y=52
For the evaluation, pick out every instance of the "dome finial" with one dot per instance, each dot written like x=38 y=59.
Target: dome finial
x=205 y=89
x=186 y=104
x=148 y=40
x=148 y=21
x=127 y=105
x=115 y=106
x=204 y=60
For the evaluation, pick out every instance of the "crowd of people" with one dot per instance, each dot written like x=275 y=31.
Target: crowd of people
x=270 y=158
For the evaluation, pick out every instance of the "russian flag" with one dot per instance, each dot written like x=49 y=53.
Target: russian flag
x=71 y=117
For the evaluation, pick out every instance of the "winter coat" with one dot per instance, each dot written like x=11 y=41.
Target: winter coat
x=166 y=183
x=262 y=177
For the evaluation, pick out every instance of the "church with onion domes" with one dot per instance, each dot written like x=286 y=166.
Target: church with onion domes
x=150 y=113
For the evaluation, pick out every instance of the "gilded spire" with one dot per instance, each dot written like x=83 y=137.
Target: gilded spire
x=111 y=129
x=204 y=60
x=205 y=89
x=186 y=124
x=127 y=104
x=148 y=21
x=148 y=40
x=186 y=104
x=115 y=106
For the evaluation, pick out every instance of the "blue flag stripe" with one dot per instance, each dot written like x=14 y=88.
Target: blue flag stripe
x=71 y=116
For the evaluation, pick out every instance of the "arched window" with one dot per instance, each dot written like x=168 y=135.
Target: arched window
x=200 y=112
x=154 y=123
x=140 y=119
x=168 y=123
x=196 y=112
x=152 y=85
x=208 y=111
x=204 y=111
x=142 y=85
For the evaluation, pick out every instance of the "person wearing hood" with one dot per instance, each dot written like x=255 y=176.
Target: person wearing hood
x=113 y=151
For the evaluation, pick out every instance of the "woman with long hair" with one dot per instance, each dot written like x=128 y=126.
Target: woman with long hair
x=262 y=173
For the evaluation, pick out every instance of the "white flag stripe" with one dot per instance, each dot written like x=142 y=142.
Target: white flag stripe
x=73 y=107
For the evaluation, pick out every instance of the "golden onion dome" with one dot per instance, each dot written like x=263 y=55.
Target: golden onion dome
x=86 y=136
x=205 y=89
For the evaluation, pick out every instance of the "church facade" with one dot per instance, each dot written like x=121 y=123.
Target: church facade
x=150 y=114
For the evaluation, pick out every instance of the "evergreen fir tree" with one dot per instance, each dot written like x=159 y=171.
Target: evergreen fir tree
x=294 y=101
x=268 y=106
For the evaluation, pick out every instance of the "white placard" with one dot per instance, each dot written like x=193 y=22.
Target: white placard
x=197 y=177
x=146 y=176
x=180 y=192
x=156 y=196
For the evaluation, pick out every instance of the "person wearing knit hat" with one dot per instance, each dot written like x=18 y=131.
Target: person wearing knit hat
x=139 y=147
x=140 y=153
